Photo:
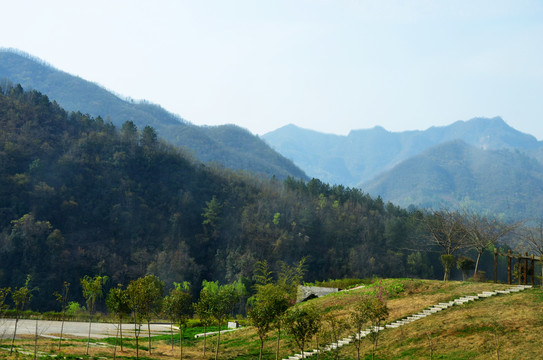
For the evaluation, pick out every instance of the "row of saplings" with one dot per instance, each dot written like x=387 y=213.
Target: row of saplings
x=303 y=323
x=270 y=308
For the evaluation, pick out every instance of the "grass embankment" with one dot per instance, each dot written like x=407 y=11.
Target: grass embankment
x=511 y=324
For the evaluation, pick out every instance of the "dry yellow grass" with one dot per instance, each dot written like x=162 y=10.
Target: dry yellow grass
x=470 y=331
x=511 y=324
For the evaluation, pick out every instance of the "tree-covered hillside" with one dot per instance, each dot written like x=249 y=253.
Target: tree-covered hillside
x=229 y=145
x=455 y=173
x=79 y=196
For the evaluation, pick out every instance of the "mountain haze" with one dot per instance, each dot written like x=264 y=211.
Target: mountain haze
x=363 y=154
x=229 y=145
x=481 y=163
x=502 y=181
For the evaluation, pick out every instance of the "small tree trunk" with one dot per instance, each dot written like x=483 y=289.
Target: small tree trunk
x=218 y=341
x=137 y=336
x=14 y=332
x=278 y=339
x=149 y=332
x=448 y=261
x=121 y=331
x=88 y=339
x=477 y=265
x=181 y=342
x=36 y=341
x=261 y=347
x=61 y=327
x=171 y=333
x=376 y=337
x=205 y=339
x=115 y=348
x=374 y=340
x=431 y=345
x=318 y=349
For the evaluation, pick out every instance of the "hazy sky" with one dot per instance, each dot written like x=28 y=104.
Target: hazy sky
x=330 y=66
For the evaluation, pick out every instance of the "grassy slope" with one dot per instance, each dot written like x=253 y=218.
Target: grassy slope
x=463 y=332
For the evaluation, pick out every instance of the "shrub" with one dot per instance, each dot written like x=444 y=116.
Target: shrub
x=74 y=308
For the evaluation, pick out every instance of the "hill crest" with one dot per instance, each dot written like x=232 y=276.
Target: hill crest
x=206 y=143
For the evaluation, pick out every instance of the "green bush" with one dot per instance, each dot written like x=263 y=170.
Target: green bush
x=74 y=308
x=52 y=315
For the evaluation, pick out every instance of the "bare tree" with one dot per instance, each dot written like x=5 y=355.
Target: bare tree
x=446 y=229
x=485 y=231
x=532 y=237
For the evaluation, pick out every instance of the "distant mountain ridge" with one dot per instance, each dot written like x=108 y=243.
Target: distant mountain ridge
x=481 y=163
x=363 y=154
x=456 y=174
x=229 y=145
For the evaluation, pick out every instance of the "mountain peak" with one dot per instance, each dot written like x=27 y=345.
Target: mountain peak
x=379 y=128
x=496 y=121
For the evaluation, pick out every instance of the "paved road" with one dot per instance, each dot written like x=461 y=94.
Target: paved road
x=48 y=328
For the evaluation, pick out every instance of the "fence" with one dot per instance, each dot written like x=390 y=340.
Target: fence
x=522 y=266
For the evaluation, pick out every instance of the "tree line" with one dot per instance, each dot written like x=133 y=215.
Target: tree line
x=143 y=300
x=271 y=307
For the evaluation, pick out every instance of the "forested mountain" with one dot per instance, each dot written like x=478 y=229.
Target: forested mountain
x=230 y=145
x=502 y=181
x=79 y=196
x=363 y=154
